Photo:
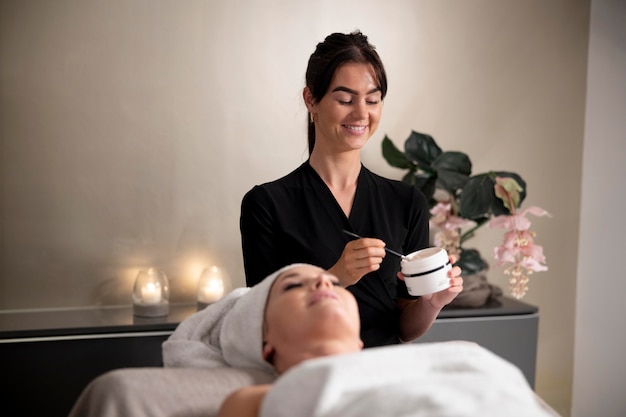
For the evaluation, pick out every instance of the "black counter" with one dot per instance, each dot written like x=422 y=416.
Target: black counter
x=87 y=320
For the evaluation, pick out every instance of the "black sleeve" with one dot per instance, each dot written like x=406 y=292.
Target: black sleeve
x=258 y=240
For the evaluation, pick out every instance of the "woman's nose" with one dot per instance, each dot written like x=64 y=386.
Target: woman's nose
x=360 y=111
x=323 y=280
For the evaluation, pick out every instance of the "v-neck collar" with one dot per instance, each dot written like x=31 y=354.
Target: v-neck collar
x=326 y=190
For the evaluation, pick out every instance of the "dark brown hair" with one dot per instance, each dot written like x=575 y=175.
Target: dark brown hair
x=336 y=50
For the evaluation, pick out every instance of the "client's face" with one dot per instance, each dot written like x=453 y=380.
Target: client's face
x=308 y=314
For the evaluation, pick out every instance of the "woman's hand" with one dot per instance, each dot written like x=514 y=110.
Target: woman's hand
x=419 y=314
x=359 y=257
x=444 y=297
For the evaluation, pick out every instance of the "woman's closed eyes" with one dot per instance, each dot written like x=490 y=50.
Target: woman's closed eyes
x=289 y=285
x=349 y=102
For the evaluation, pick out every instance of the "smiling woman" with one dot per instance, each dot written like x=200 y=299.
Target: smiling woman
x=303 y=216
x=347 y=115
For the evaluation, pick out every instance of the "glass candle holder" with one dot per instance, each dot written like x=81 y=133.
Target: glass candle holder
x=211 y=286
x=151 y=294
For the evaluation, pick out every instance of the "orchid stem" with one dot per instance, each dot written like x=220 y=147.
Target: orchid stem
x=470 y=232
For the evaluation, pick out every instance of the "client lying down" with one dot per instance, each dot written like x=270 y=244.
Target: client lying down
x=302 y=325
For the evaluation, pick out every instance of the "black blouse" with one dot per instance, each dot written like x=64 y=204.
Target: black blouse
x=297 y=219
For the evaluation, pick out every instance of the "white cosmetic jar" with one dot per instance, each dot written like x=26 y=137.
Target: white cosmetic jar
x=426 y=271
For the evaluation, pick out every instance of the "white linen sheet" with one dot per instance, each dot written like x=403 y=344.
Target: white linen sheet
x=427 y=379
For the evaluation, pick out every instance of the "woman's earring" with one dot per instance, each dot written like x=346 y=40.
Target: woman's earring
x=313 y=117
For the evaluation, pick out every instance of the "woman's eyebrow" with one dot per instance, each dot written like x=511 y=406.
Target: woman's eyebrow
x=354 y=92
x=288 y=275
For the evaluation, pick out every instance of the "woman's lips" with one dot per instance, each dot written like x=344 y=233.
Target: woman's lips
x=355 y=128
x=321 y=296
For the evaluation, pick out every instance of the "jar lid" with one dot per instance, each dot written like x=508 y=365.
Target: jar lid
x=425 y=261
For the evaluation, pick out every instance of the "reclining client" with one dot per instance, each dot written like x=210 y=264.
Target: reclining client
x=302 y=325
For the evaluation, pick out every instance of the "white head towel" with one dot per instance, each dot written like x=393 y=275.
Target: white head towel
x=227 y=333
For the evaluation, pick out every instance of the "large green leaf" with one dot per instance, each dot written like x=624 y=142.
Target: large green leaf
x=451 y=181
x=477 y=197
x=453 y=170
x=478 y=200
x=394 y=156
x=454 y=161
x=421 y=149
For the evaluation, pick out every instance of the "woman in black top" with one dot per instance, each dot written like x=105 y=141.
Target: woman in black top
x=301 y=217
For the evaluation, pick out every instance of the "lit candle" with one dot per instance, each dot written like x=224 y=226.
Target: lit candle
x=151 y=293
x=211 y=292
x=211 y=286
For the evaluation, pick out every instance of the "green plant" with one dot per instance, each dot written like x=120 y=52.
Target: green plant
x=460 y=202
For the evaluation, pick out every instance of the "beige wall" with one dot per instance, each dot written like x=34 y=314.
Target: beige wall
x=130 y=130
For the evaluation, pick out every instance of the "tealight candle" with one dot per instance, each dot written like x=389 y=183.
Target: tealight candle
x=210 y=286
x=151 y=293
x=211 y=292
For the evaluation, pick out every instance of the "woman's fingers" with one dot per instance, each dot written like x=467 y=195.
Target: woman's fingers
x=456 y=284
x=455 y=271
x=453 y=258
x=362 y=256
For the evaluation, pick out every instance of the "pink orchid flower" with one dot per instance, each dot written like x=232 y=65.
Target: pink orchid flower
x=448 y=236
x=442 y=217
x=517 y=221
x=519 y=246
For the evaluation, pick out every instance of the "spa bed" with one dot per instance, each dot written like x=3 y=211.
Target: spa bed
x=428 y=379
